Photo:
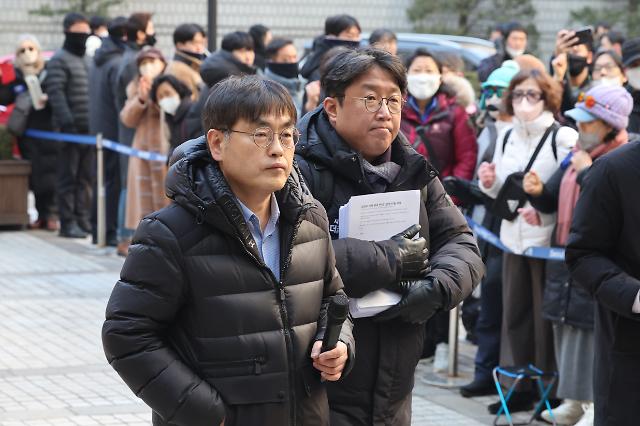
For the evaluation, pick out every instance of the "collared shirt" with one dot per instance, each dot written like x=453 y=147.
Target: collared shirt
x=267 y=242
x=428 y=110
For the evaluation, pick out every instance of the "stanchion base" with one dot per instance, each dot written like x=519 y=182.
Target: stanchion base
x=442 y=380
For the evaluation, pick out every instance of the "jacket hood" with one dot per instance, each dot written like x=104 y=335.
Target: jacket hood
x=107 y=51
x=321 y=144
x=196 y=183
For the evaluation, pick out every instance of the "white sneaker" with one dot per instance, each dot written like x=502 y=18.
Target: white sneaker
x=567 y=413
x=587 y=418
x=441 y=360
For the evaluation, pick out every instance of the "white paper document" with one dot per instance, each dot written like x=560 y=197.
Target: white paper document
x=377 y=217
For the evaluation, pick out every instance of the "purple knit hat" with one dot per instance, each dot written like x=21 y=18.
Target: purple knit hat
x=611 y=104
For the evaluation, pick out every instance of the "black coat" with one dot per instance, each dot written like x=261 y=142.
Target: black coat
x=490 y=64
x=634 y=117
x=382 y=379
x=67 y=85
x=565 y=302
x=198 y=326
x=103 y=77
x=603 y=254
x=220 y=65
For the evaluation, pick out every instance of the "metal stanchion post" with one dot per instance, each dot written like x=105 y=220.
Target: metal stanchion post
x=102 y=215
x=453 y=341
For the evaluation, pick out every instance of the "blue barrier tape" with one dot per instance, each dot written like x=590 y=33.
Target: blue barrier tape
x=546 y=253
x=91 y=140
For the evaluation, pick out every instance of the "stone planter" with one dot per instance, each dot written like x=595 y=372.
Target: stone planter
x=14 y=192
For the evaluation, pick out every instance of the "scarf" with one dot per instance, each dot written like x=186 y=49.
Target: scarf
x=570 y=190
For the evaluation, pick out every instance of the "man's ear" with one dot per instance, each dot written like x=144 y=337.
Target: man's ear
x=331 y=108
x=215 y=139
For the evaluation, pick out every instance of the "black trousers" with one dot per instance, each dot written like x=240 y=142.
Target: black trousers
x=112 y=187
x=75 y=181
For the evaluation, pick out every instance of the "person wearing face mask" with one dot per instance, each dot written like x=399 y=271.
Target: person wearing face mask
x=571 y=67
x=515 y=40
x=103 y=118
x=608 y=69
x=282 y=66
x=173 y=97
x=99 y=32
x=145 y=186
x=33 y=114
x=533 y=98
x=67 y=85
x=434 y=123
x=190 y=44
x=631 y=63
x=602 y=118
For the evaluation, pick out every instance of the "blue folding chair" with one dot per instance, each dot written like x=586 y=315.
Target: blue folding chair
x=518 y=374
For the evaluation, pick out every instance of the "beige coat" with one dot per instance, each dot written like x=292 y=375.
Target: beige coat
x=145 y=180
x=189 y=75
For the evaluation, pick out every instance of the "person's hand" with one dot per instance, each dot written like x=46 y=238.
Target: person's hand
x=565 y=39
x=487 y=174
x=313 y=95
x=330 y=363
x=532 y=184
x=144 y=87
x=413 y=254
x=42 y=102
x=560 y=65
x=421 y=299
x=581 y=160
x=530 y=215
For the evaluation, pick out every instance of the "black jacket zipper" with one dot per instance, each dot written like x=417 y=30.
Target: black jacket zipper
x=257 y=363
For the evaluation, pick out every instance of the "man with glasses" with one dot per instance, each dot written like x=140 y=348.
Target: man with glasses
x=221 y=305
x=351 y=145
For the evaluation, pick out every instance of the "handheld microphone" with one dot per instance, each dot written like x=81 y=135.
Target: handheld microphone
x=336 y=314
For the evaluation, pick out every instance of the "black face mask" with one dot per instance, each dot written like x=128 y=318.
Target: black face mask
x=76 y=43
x=284 y=70
x=199 y=56
x=150 y=40
x=576 y=64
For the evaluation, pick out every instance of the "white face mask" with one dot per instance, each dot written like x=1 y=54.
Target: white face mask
x=169 y=104
x=29 y=57
x=513 y=52
x=526 y=111
x=423 y=86
x=609 y=81
x=151 y=69
x=633 y=74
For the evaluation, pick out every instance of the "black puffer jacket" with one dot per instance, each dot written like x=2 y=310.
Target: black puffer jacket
x=221 y=65
x=378 y=391
x=67 y=85
x=198 y=326
x=103 y=76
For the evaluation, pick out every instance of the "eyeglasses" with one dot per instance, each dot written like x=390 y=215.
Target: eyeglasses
x=590 y=101
x=531 y=95
x=607 y=67
x=373 y=104
x=490 y=91
x=263 y=136
x=24 y=49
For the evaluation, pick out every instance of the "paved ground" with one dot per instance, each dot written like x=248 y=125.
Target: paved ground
x=53 y=294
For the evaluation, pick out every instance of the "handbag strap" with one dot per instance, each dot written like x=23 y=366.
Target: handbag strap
x=539 y=147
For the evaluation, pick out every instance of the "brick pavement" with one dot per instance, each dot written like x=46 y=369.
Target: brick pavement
x=53 y=371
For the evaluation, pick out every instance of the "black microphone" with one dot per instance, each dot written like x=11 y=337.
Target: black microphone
x=336 y=314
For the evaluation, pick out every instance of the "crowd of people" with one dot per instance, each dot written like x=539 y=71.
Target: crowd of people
x=516 y=159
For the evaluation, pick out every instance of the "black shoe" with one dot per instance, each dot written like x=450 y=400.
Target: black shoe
x=72 y=231
x=519 y=401
x=85 y=225
x=478 y=388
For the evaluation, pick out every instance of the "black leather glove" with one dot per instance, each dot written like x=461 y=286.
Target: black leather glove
x=421 y=299
x=413 y=254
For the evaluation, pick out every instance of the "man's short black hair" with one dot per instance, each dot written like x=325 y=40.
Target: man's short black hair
x=97 y=21
x=73 y=18
x=186 y=32
x=237 y=40
x=117 y=28
x=179 y=86
x=421 y=52
x=514 y=26
x=615 y=37
x=137 y=22
x=336 y=24
x=347 y=66
x=275 y=45
x=248 y=98
x=257 y=33
x=382 y=35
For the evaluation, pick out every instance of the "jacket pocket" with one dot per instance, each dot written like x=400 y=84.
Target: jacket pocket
x=236 y=367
